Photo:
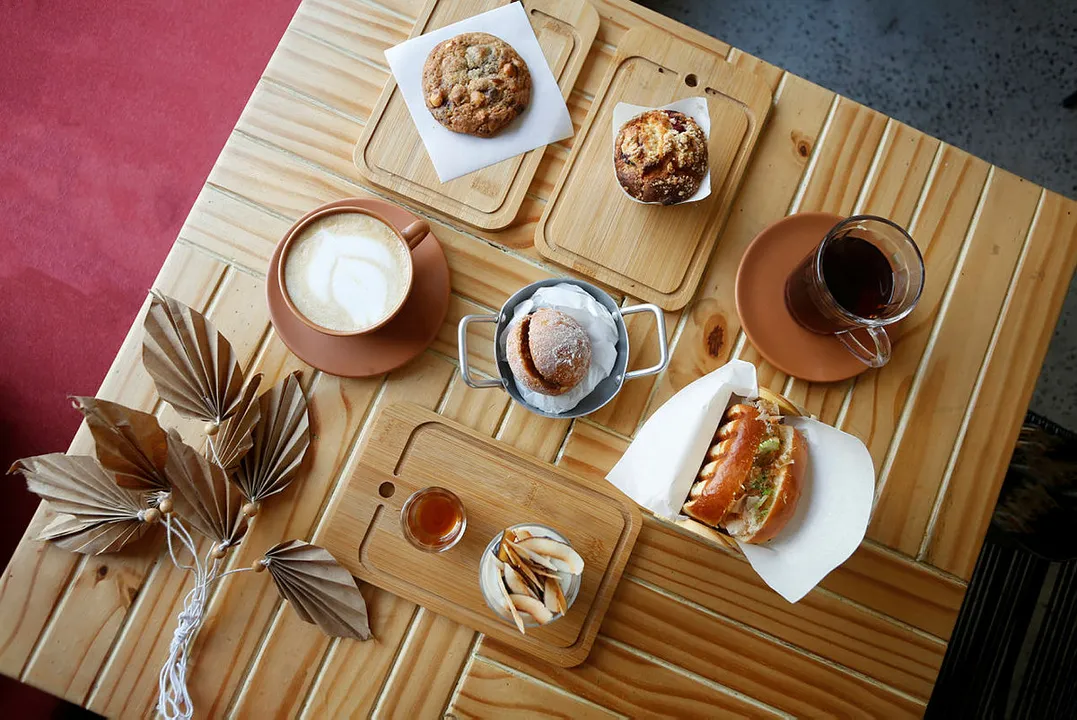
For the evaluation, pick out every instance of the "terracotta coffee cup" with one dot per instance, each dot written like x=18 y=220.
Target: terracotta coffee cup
x=410 y=237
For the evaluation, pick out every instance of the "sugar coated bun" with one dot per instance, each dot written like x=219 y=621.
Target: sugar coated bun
x=549 y=352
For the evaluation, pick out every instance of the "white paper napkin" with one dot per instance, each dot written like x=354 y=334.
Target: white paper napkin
x=831 y=517
x=596 y=322
x=695 y=108
x=545 y=120
x=659 y=467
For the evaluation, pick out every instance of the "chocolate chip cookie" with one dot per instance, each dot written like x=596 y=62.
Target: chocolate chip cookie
x=476 y=84
x=661 y=157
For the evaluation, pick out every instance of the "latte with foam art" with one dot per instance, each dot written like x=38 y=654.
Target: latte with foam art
x=347 y=272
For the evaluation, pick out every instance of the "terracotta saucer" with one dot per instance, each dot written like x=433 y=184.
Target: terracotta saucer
x=406 y=336
x=766 y=264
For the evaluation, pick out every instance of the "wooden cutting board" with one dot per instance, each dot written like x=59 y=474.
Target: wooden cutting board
x=409 y=448
x=652 y=252
x=391 y=154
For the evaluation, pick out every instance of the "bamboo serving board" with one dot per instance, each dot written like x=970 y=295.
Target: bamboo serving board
x=410 y=448
x=391 y=154
x=652 y=252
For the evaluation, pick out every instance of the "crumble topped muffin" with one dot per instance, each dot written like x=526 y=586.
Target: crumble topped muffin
x=660 y=157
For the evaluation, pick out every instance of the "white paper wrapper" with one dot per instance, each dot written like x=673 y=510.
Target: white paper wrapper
x=693 y=107
x=545 y=120
x=596 y=322
x=660 y=465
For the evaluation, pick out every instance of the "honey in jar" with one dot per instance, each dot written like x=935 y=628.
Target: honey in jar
x=433 y=519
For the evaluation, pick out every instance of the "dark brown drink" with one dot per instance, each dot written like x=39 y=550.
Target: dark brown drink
x=857 y=275
x=865 y=274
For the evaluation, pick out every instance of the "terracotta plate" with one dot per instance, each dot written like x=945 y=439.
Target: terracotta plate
x=760 y=292
x=403 y=338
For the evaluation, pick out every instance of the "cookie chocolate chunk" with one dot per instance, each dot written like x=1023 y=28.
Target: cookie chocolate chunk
x=660 y=156
x=476 y=84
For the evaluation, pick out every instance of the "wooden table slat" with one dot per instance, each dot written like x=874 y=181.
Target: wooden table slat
x=491 y=691
x=932 y=418
x=821 y=623
x=939 y=229
x=1017 y=351
x=625 y=681
x=745 y=661
x=893 y=190
x=838 y=169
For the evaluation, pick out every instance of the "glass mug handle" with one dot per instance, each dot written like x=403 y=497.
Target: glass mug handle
x=872 y=358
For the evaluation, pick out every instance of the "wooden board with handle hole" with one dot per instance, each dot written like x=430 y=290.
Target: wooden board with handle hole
x=391 y=154
x=410 y=448
x=654 y=252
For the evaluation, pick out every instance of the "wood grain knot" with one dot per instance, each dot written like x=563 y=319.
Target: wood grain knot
x=101 y=573
x=715 y=336
x=801 y=144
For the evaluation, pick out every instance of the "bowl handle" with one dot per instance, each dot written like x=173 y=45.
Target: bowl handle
x=663 y=346
x=461 y=338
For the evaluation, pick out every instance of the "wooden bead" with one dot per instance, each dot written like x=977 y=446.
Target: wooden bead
x=212 y=428
x=250 y=509
x=219 y=552
x=258 y=566
x=151 y=516
x=165 y=506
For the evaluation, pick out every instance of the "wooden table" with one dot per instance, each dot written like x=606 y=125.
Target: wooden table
x=692 y=631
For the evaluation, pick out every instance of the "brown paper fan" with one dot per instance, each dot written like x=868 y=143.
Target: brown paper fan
x=96 y=515
x=280 y=441
x=191 y=364
x=202 y=495
x=91 y=538
x=235 y=437
x=319 y=588
x=130 y=443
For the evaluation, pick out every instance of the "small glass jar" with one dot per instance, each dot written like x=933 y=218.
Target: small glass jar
x=491 y=593
x=433 y=519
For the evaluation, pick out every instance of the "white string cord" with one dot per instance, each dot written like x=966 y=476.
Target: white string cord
x=171 y=552
x=213 y=451
x=173 y=699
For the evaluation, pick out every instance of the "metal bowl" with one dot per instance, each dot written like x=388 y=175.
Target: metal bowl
x=605 y=390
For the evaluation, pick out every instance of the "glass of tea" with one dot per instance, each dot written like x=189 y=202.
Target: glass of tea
x=433 y=519
x=866 y=273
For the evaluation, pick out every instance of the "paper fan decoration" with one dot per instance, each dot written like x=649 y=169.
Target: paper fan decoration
x=202 y=495
x=96 y=515
x=281 y=440
x=191 y=364
x=131 y=444
x=234 y=438
x=321 y=591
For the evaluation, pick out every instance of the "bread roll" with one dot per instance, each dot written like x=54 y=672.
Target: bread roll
x=548 y=352
x=750 y=481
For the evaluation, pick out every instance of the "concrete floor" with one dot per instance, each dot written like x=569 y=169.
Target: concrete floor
x=988 y=76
